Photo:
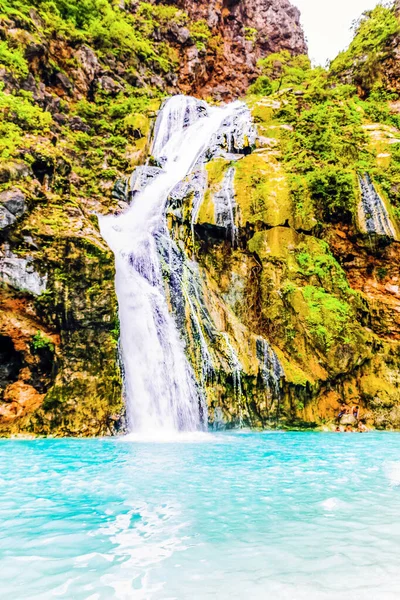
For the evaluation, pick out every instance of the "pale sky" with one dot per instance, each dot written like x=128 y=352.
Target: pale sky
x=327 y=25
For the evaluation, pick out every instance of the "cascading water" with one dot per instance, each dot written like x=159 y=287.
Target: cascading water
x=225 y=205
x=270 y=371
x=161 y=391
x=176 y=115
x=373 y=215
x=237 y=369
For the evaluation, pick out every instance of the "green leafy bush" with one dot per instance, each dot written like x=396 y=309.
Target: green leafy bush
x=370 y=46
x=328 y=317
x=285 y=70
x=333 y=192
x=200 y=33
x=41 y=342
x=261 y=87
x=13 y=58
x=21 y=110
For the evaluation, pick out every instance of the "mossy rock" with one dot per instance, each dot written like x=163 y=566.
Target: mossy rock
x=262 y=191
x=216 y=170
x=306 y=299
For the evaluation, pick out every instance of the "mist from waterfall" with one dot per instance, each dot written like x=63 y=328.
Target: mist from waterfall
x=161 y=391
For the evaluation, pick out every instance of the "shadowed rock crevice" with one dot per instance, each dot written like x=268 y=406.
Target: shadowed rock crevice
x=11 y=363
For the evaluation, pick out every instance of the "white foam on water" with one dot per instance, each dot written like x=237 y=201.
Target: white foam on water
x=170 y=437
x=333 y=504
x=393 y=474
x=330 y=504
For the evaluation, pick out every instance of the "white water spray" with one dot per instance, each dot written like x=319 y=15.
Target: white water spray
x=270 y=369
x=161 y=391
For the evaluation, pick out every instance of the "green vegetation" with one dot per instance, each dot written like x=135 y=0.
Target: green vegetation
x=281 y=70
x=327 y=144
x=328 y=317
x=127 y=34
x=200 y=33
x=19 y=116
x=316 y=260
x=13 y=58
x=250 y=34
x=41 y=342
x=370 y=47
x=103 y=124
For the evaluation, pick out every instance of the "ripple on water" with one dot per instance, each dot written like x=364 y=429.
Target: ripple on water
x=282 y=516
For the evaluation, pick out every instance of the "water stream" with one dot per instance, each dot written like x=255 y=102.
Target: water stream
x=161 y=391
x=236 y=367
x=373 y=214
x=225 y=205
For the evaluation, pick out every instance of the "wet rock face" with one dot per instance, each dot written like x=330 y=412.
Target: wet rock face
x=244 y=31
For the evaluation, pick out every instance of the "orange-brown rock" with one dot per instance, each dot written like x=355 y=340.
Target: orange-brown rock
x=374 y=270
x=243 y=32
x=24 y=374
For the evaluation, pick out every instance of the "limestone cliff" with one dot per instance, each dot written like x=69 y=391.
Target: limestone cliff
x=301 y=309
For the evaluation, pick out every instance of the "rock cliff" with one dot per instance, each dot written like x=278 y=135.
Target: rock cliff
x=373 y=57
x=244 y=31
x=300 y=306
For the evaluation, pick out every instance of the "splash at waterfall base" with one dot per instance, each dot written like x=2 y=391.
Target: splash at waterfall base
x=222 y=310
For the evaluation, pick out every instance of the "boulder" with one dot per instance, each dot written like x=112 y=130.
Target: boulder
x=12 y=206
x=109 y=85
x=14 y=201
x=180 y=34
x=14 y=171
x=77 y=124
x=348 y=420
x=6 y=218
x=64 y=82
x=89 y=62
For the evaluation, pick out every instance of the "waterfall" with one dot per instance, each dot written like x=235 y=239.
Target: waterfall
x=373 y=215
x=237 y=369
x=161 y=391
x=225 y=205
x=270 y=368
x=206 y=362
x=178 y=113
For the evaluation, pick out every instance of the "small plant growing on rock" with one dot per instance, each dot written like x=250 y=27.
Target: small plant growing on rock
x=41 y=342
x=250 y=34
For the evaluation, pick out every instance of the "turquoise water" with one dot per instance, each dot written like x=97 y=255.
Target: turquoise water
x=248 y=516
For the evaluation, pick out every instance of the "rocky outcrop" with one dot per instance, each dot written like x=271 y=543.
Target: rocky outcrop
x=58 y=329
x=373 y=57
x=12 y=206
x=243 y=31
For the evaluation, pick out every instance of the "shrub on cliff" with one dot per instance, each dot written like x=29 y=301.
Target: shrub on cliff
x=362 y=61
x=281 y=70
x=333 y=193
x=13 y=58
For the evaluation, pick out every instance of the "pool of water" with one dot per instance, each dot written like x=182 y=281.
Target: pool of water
x=249 y=516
